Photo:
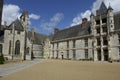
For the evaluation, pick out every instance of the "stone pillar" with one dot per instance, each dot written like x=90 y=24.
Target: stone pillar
x=109 y=48
x=95 y=55
x=102 y=53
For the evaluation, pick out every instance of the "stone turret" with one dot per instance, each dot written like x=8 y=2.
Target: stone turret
x=24 y=19
x=110 y=16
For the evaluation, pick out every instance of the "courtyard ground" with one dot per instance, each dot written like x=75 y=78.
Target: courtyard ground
x=68 y=70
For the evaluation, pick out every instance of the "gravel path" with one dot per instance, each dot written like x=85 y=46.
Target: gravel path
x=68 y=70
x=4 y=71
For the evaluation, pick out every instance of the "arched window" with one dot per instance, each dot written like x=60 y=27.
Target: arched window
x=10 y=47
x=0 y=48
x=28 y=50
x=17 y=47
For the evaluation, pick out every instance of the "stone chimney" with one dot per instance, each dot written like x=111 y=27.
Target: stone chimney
x=56 y=30
x=84 y=21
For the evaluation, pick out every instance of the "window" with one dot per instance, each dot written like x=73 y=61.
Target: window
x=86 y=53
x=86 y=42
x=97 y=22
x=57 y=55
x=17 y=47
x=98 y=30
x=105 y=42
x=67 y=54
x=67 y=44
x=74 y=54
x=104 y=20
x=10 y=47
x=73 y=43
x=28 y=49
x=111 y=21
x=104 y=29
x=98 y=42
x=53 y=46
x=111 y=26
x=57 y=45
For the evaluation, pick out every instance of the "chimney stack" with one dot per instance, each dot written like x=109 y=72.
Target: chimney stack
x=56 y=30
x=84 y=21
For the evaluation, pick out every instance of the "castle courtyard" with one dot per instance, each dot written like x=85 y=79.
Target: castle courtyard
x=67 y=70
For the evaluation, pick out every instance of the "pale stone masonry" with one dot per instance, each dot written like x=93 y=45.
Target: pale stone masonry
x=17 y=43
x=97 y=39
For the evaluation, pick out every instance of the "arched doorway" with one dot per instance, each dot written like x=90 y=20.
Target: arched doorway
x=17 y=47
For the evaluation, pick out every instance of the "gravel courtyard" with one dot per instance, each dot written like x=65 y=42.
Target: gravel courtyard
x=68 y=70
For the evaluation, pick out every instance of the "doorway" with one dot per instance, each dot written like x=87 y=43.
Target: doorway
x=106 y=56
x=99 y=54
x=17 y=47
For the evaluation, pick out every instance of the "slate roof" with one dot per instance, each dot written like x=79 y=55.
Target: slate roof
x=80 y=30
x=117 y=20
x=39 y=38
x=17 y=24
x=103 y=9
x=74 y=31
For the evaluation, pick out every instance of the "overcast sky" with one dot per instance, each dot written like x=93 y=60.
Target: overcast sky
x=45 y=15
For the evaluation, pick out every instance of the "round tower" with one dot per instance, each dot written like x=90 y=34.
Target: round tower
x=110 y=19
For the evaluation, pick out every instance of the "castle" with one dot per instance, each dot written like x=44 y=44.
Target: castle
x=97 y=39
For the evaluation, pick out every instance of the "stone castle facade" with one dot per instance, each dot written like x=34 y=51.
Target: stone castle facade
x=18 y=43
x=97 y=39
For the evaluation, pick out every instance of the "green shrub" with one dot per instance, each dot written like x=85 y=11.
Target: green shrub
x=2 y=59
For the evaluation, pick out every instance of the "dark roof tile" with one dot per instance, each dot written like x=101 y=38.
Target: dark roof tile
x=39 y=38
x=17 y=24
x=74 y=31
x=117 y=20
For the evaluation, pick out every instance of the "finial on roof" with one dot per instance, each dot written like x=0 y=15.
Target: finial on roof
x=92 y=14
x=110 y=8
